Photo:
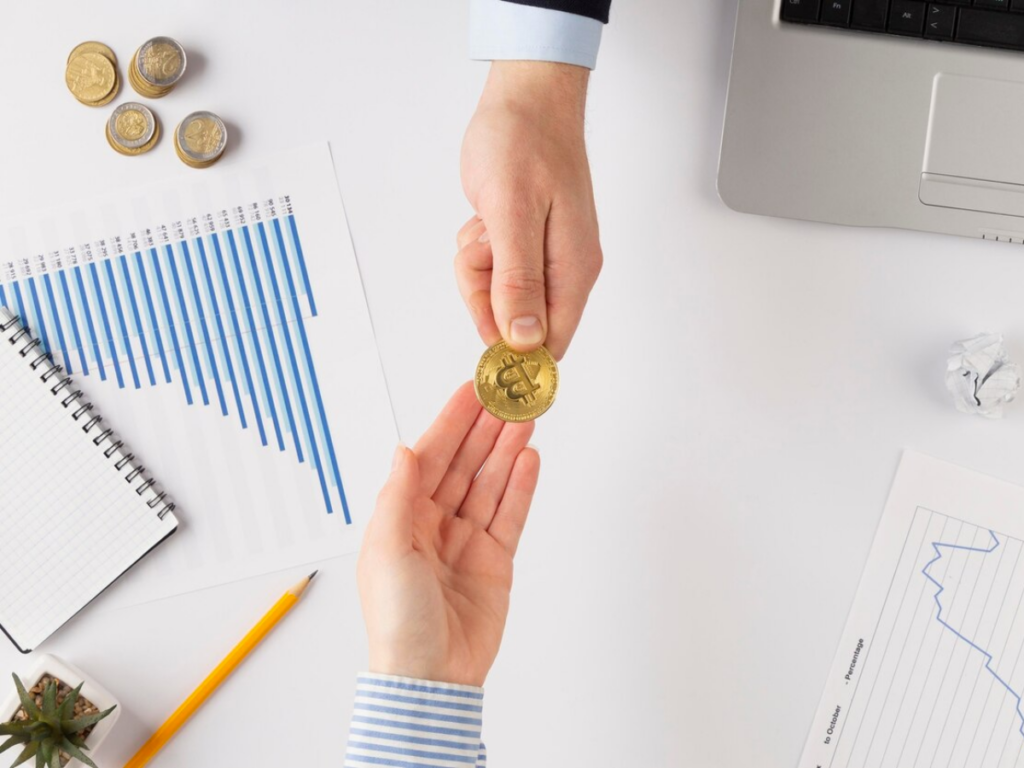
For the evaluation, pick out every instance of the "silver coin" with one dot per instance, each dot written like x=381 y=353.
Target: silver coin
x=161 y=62
x=202 y=136
x=123 y=125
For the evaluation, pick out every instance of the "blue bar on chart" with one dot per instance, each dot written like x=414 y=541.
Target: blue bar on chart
x=216 y=304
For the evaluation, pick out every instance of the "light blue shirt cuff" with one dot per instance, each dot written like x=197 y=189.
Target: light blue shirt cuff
x=400 y=721
x=508 y=31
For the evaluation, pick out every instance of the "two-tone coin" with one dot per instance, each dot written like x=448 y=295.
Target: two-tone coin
x=156 y=67
x=200 y=139
x=516 y=386
x=91 y=74
x=133 y=129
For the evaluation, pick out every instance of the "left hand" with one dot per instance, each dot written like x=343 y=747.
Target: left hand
x=435 y=570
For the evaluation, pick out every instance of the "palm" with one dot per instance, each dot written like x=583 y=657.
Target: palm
x=436 y=568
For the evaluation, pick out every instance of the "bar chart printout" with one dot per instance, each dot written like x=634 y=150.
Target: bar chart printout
x=220 y=327
x=930 y=670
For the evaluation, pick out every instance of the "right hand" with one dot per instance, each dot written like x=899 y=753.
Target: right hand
x=529 y=258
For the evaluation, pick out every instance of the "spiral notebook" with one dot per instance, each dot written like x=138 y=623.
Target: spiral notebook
x=76 y=508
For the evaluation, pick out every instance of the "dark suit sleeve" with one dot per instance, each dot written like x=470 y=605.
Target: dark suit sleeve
x=594 y=9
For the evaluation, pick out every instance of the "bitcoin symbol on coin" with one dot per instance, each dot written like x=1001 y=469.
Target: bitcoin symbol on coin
x=515 y=379
x=516 y=386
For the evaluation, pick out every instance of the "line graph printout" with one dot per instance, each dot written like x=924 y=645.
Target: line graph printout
x=930 y=670
x=219 y=324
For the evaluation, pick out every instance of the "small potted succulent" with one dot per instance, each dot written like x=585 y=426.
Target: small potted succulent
x=55 y=716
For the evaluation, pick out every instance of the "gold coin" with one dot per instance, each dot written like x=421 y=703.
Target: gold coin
x=140 y=85
x=94 y=47
x=516 y=386
x=90 y=77
x=106 y=99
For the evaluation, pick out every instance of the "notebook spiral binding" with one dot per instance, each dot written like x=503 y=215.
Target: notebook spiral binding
x=38 y=360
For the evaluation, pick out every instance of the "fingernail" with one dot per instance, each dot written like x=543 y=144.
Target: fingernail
x=485 y=237
x=526 y=331
x=399 y=452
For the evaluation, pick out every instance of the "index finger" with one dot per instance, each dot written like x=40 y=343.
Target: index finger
x=439 y=444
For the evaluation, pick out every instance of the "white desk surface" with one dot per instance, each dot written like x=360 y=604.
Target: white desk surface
x=731 y=417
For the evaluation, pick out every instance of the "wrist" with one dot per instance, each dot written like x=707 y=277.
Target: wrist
x=420 y=669
x=558 y=90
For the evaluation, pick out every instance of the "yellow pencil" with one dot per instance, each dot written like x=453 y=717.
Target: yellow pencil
x=219 y=675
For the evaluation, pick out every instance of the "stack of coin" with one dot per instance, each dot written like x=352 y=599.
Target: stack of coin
x=200 y=139
x=91 y=74
x=133 y=129
x=157 y=67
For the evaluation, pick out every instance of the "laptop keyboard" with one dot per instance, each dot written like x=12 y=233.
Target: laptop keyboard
x=993 y=23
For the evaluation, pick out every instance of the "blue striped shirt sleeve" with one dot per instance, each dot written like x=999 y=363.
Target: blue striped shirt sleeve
x=401 y=722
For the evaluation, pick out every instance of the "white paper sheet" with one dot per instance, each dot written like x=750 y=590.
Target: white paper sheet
x=223 y=324
x=930 y=668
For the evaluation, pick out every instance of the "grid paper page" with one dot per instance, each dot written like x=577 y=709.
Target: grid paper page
x=70 y=523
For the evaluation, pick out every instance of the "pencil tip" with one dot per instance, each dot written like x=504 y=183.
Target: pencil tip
x=314 y=573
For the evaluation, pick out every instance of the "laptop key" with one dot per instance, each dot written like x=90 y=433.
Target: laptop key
x=1000 y=5
x=872 y=14
x=994 y=28
x=906 y=17
x=800 y=10
x=940 y=22
x=1017 y=5
x=836 y=12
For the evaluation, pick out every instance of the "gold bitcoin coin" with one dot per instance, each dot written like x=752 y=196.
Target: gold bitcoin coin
x=516 y=386
x=90 y=77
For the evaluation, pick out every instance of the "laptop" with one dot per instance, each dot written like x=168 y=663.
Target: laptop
x=880 y=113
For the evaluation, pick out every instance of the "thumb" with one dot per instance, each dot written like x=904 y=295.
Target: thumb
x=391 y=525
x=518 y=295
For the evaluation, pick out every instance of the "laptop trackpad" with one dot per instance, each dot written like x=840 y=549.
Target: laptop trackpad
x=973 y=160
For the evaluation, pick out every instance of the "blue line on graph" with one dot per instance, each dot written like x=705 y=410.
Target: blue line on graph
x=186 y=321
x=207 y=307
x=74 y=326
x=43 y=336
x=251 y=323
x=161 y=285
x=302 y=263
x=943 y=622
x=153 y=322
x=239 y=340
x=311 y=370
x=102 y=307
x=56 y=316
x=225 y=353
x=296 y=377
x=126 y=273
x=275 y=354
x=198 y=304
x=89 y=326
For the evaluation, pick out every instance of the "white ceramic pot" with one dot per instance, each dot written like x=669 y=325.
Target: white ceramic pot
x=46 y=664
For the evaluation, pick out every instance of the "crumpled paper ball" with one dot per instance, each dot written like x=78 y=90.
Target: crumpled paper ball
x=981 y=377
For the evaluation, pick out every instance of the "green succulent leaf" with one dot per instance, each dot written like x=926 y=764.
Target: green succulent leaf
x=13 y=741
x=26 y=701
x=77 y=753
x=67 y=707
x=83 y=722
x=77 y=739
x=50 y=700
x=40 y=762
x=14 y=728
x=27 y=754
x=55 y=757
